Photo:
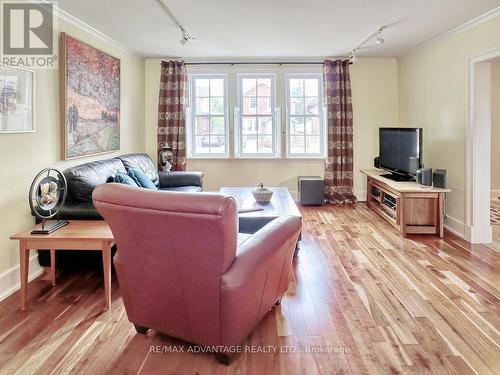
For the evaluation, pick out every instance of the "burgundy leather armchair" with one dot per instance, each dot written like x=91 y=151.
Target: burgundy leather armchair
x=181 y=270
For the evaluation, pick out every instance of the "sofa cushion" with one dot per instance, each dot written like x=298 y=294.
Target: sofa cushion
x=141 y=179
x=185 y=189
x=142 y=162
x=82 y=179
x=123 y=178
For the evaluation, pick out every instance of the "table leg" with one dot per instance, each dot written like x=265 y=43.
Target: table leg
x=53 y=266
x=297 y=248
x=440 y=224
x=24 y=255
x=106 y=263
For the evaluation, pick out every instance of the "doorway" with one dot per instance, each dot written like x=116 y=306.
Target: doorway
x=495 y=154
x=479 y=146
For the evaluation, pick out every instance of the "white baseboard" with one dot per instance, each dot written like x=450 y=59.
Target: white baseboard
x=457 y=227
x=9 y=280
x=361 y=195
x=494 y=194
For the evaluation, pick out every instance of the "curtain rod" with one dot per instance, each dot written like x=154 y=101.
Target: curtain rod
x=258 y=63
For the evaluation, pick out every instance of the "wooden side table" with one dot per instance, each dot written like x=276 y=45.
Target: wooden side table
x=77 y=235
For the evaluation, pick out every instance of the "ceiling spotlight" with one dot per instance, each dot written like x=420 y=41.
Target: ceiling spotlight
x=185 y=37
x=380 y=40
x=353 y=58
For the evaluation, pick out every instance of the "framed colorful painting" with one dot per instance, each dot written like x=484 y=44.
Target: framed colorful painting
x=17 y=100
x=90 y=100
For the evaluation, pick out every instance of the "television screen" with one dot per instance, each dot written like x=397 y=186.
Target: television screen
x=401 y=149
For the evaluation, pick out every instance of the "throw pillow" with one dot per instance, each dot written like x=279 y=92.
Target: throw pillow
x=123 y=178
x=141 y=179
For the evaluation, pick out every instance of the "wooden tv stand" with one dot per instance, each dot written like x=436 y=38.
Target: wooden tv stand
x=409 y=207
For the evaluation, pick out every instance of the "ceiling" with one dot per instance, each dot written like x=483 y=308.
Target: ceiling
x=274 y=28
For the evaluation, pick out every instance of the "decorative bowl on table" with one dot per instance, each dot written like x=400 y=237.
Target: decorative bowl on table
x=262 y=194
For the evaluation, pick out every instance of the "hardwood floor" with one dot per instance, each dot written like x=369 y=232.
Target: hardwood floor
x=365 y=300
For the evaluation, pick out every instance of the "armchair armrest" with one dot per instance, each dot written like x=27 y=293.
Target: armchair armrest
x=263 y=249
x=257 y=278
x=173 y=179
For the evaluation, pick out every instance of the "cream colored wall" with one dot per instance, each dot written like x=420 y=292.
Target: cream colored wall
x=375 y=103
x=495 y=126
x=432 y=94
x=23 y=155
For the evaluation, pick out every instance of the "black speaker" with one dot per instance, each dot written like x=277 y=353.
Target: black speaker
x=424 y=176
x=376 y=162
x=439 y=178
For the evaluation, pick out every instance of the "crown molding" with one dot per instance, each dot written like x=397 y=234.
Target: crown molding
x=62 y=14
x=457 y=30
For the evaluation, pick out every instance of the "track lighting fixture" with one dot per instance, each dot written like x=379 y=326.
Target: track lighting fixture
x=185 y=36
x=352 y=57
x=380 y=40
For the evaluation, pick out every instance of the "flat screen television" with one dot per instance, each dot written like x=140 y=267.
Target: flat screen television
x=400 y=151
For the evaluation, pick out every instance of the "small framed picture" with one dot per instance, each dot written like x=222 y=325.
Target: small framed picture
x=17 y=100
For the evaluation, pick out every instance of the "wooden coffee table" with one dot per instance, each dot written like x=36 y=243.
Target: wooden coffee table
x=77 y=235
x=281 y=204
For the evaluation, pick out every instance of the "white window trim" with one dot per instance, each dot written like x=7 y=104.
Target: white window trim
x=190 y=116
x=321 y=115
x=274 y=115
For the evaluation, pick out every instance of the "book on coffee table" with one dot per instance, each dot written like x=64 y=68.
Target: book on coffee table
x=247 y=205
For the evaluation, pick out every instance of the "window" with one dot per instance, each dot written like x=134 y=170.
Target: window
x=304 y=116
x=256 y=132
x=209 y=127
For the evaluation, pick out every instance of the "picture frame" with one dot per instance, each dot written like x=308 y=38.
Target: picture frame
x=90 y=86
x=17 y=100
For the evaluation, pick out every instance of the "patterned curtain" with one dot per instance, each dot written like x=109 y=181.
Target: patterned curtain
x=338 y=166
x=171 y=111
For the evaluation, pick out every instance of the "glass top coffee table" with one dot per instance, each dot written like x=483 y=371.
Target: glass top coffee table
x=281 y=204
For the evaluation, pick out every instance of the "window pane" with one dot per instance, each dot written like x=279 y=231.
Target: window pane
x=297 y=144
x=304 y=116
x=249 y=144
x=249 y=125
x=249 y=86
x=297 y=125
x=296 y=106
x=266 y=125
x=312 y=125
x=217 y=125
x=264 y=106
x=202 y=106
x=208 y=124
x=249 y=106
x=264 y=87
x=202 y=87
x=216 y=106
x=202 y=125
x=217 y=144
x=311 y=87
x=296 y=87
x=202 y=144
x=312 y=106
x=257 y=115
x=265 y=144
x=312 y=144
x=217 y=87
